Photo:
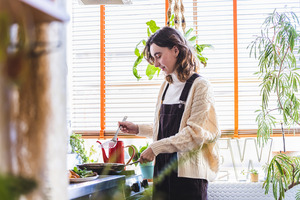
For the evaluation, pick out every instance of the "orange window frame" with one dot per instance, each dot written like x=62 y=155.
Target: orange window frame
x=236 y=85
x=102 y=71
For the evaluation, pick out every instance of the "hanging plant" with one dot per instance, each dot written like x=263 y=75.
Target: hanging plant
x=151 y=69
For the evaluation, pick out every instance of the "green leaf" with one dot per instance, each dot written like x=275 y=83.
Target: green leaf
x=152 y=26
x=137 y=52
x=144 y=42
x=143 y=148
x=136 y=63
x=172 y=24
x=151 y=70
x=130 y=152
x=192 y=39
x=187 y=34
x=298 y=195
x=200 y=47
x=148 y=32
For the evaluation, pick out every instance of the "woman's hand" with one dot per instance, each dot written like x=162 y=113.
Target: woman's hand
x=147 y=156
x=129 y=127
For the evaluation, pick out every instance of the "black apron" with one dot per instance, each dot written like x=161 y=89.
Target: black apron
x=167 y=184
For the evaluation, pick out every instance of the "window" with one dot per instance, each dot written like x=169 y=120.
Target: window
x=251 y=15
x=84 y=68
x=125 y=26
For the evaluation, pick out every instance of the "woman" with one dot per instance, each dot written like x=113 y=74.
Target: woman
x=185 y=127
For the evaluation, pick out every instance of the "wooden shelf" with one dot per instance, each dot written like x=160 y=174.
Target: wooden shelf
x=44 y=11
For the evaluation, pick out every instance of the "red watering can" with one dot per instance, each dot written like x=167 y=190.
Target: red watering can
x=116 y=153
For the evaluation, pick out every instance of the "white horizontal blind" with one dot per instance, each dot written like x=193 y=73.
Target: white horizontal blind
x=138 y=102
x=212 y=21
x=85 y=67
x=214 y=25
x=125 y=26
x=251 y=15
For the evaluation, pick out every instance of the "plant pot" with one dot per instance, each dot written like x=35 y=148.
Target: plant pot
x=288 y=153
x=147 y=170
x=254 y=177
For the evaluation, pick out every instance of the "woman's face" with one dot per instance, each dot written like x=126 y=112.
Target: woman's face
x=164 y=58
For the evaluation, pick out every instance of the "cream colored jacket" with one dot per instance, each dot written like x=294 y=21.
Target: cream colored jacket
x=198 y=133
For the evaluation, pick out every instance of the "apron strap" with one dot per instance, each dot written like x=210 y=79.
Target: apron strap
x=187 y=87
x=185 y=91
x=163 y=96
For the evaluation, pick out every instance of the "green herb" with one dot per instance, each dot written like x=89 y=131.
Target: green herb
x=83 y=173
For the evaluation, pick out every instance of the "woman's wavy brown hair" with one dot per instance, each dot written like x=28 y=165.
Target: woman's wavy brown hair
x=186 y=60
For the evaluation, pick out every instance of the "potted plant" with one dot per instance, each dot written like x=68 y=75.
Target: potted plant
x=146 y=168
x=277 y=49
x=253 y=175
x=282 y=175
x=151 y=69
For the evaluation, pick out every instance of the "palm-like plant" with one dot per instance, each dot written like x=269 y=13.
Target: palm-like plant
x=283 y=173
x=278 y=49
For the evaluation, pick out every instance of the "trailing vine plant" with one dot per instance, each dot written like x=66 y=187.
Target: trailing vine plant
x=151 y=69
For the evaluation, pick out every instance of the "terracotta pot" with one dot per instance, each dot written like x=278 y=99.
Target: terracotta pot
x=288 y=153
x=253 y=177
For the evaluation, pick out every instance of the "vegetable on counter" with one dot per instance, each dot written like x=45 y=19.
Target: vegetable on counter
x=81 y=173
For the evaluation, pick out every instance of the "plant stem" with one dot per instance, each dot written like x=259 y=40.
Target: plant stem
x=283 y=137
x=270 y=110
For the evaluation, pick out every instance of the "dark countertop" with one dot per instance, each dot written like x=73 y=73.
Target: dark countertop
x=102 y=183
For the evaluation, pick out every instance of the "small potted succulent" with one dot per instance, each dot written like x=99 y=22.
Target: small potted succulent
x=146 y=168
x=253 y=174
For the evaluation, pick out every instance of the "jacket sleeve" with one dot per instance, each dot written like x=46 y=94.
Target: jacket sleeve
x=145 y=130
x=201 y=123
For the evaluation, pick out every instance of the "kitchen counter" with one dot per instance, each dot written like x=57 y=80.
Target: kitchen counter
x=104 y=187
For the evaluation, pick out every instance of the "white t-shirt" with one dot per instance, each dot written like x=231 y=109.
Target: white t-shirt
x=174 y=91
